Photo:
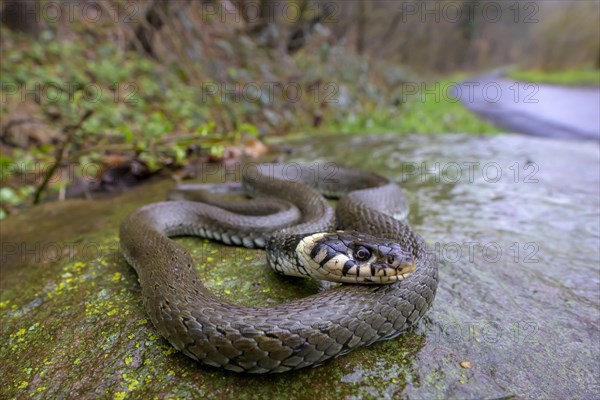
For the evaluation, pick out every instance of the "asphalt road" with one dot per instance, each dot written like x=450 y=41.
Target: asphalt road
x=534 y=109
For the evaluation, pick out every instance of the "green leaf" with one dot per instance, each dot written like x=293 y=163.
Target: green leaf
x=179 y=155
x=249 y=128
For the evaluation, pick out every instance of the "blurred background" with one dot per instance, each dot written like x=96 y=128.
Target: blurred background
x=97 y=96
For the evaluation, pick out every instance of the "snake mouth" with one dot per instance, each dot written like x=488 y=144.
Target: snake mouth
x=387 y=275
x=375 y=274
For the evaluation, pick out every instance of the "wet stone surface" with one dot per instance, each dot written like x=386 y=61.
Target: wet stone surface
x=513 y=220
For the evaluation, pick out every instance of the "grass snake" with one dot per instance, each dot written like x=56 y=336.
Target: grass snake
x=293 y=221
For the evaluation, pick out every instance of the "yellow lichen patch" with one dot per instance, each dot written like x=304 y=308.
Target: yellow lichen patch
x=128 y=360
x=112 y=312
x=119 y=395
x=23 y=385
x=141 y=322
x=72 y=275
x=19 y=339
x=170 y=350
x=117 y=276
x=4 y=304
x=131 y=382
x=102 y=308
x=57 y=290
x=75 y=268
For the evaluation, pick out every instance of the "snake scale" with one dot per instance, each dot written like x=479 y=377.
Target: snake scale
x=397 y=278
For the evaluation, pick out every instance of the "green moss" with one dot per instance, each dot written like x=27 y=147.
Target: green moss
x=81 y=319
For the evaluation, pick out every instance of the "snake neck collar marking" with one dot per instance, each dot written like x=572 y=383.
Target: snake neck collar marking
x=352 y=257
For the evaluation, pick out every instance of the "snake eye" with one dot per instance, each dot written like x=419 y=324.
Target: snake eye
x=391 y=259
x=362 y=254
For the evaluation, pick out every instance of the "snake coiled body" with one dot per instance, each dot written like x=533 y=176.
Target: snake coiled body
x=288 y=336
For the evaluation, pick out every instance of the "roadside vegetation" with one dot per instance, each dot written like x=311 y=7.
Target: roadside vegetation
x=570 y=77
x=111 y=116
x=96 y=105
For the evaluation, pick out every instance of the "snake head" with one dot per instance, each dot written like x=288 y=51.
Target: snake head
x=353 y=257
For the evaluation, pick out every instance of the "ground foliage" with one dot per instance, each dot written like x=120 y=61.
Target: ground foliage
x=82 y=113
